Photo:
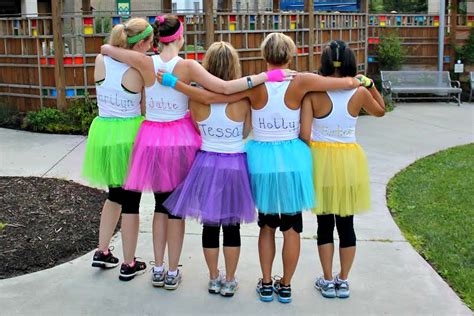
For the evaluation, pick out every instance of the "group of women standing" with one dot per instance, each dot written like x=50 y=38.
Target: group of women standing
x=190 y=152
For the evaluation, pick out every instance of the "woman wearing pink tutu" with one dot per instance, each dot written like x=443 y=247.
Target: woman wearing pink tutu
x=167 y=141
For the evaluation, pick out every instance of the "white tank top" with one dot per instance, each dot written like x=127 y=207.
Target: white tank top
x=275 y=121
x=112 y=99
x=165 y=104
x=339 y=125
x=221 y=134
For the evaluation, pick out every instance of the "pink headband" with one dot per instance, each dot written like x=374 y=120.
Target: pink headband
x=174 y=37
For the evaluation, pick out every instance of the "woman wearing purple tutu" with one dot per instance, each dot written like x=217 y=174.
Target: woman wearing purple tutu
x=217 y=189
x=167 y=141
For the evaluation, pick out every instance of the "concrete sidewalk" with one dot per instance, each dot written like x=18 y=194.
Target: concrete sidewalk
x=388 y=277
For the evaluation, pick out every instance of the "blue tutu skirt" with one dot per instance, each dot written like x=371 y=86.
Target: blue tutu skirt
x=281 y=176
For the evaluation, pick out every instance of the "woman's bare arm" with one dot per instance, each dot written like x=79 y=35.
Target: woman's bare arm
x=373 y=101
x=139 y=61
x=204 y=96
x=311 y=82
x=306 y=119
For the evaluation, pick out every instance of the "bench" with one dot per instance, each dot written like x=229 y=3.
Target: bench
x=471 y=81
x=410 y=83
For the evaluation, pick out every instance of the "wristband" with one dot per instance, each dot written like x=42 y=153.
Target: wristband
x=275 y=75
x=249 y=82
x=366 y=82
x=169 y=80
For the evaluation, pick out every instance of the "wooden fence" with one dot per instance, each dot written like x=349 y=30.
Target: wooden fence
x=28 y=60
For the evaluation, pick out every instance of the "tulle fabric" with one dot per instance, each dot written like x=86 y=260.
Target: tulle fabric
x=341 y=178
x=162 y=155
x=108 y=150
x=216 y=191
x=281 y=176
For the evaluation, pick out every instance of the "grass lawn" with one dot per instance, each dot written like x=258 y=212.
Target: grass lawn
x=433 y=204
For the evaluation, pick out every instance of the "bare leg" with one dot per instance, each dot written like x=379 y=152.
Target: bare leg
x=266 y=251
x=108 y=221
x=231 y=256
x=347 y=258
x=290 y=254
x=326 y=253
x=160 y=230
x=175 y=239
x=130 y=224
x=212 y=260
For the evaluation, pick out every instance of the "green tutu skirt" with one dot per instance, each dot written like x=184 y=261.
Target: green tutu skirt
x=108 y=150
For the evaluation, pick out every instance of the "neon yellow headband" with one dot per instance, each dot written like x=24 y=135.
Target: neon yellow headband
x=136 y=38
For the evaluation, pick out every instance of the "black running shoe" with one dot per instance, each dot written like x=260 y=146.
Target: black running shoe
x=128 y=272
x=283 y=291
x=265 y=291
x=104 y=261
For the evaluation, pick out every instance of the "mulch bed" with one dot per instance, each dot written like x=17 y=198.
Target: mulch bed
x=45 y=222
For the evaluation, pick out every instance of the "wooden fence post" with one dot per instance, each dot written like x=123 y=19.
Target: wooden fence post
x=276 y=5
x=167 y=6
x=209 y=21
x=309 y=7
x=59 y=75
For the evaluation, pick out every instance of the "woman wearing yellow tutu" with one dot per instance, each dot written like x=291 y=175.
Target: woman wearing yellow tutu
x=341 y=180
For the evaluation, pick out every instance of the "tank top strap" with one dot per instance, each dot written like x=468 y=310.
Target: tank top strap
x=114 y=72
x=159 y=64
x=340 y=101
x=218 y=110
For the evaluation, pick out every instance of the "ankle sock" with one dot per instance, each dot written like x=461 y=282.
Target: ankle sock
x=173 y=273
x=158 y=269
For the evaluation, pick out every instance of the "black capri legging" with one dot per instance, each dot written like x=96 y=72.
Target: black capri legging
x=345 y=229
x=210 y=236
x=129 y=200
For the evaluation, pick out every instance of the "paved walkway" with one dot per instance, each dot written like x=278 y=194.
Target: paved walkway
x=389 y=277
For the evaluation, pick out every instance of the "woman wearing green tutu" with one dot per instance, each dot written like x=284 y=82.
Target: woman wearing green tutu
x=111 y=136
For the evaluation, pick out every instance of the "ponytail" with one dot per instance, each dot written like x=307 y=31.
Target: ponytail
x=118 y=36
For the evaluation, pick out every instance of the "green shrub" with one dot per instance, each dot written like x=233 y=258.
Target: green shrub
x=82 y=112
x=75 y=120
x=390 y=52
x=466 y=52
x=9 y=116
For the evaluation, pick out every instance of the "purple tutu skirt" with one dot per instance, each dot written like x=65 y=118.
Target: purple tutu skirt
x=216 y=191
x=162 y=155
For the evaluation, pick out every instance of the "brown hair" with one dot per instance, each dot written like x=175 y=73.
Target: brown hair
x=338 y=51
x=168 y=27
x=121 y=32
x=222 y=60
x=278 y=49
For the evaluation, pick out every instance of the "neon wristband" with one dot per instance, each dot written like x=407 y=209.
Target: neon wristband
x=169 y=80
x=275 y=75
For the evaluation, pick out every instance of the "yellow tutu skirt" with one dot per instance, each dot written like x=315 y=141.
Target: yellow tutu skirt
x=341 y=178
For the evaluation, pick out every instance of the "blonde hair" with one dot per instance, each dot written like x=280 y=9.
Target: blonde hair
x=121 y=32
x=278 y=49
x=222 y=60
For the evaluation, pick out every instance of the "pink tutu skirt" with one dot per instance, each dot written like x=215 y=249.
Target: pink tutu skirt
x=162 y=155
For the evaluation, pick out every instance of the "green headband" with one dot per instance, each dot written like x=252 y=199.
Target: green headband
x=136 y=38
x=337 y=64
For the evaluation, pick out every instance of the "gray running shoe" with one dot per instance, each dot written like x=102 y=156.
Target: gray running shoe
x=158 y=278
x=342 y=288
x=229 y=288
x=327 y=288
x=172 y=282
x=214 y=285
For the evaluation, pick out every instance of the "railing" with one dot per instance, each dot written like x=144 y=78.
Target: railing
x=27 y=57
